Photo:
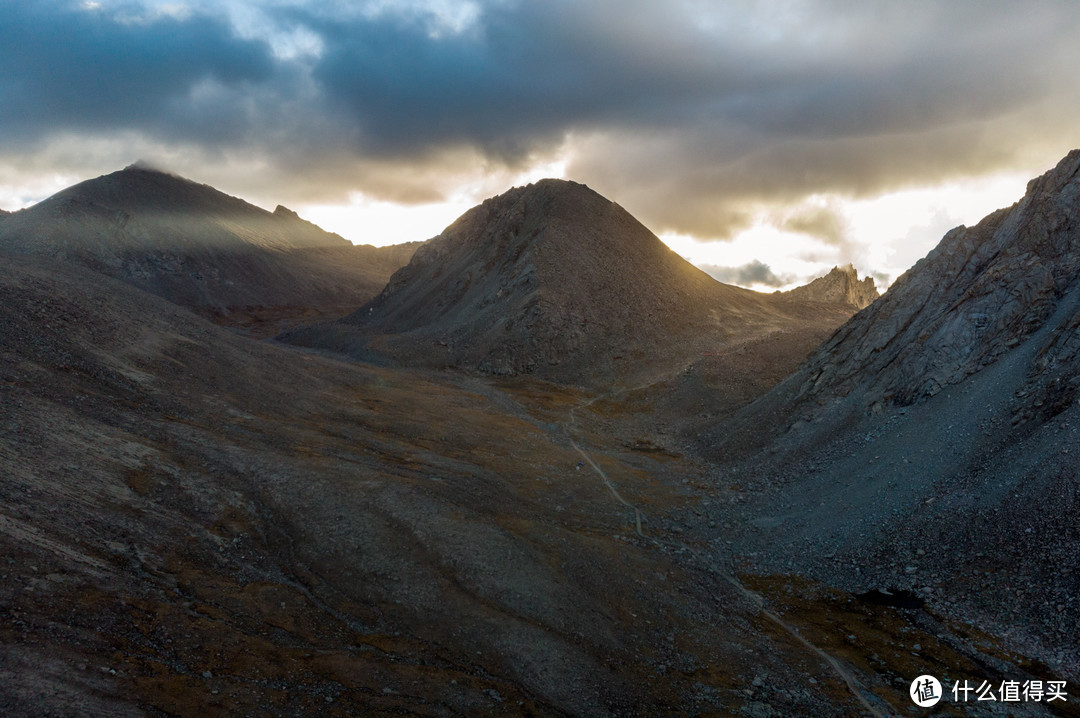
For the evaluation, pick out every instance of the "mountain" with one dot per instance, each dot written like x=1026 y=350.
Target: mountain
x=930 y=443
x=139 y=208
x=986 y=295
x=193 y=522
x=201 y=248
x=553 y=279
x=841 y=286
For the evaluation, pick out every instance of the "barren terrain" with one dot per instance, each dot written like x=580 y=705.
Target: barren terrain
x=195 y=519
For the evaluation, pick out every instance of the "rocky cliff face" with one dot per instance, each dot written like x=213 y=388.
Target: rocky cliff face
x=982 y=292
x=839 y=286
x=553 y=279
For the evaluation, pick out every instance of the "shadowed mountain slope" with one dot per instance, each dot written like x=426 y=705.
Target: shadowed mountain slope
x=203 y=249
x=195 y=522
x=143 y=208
x=931 y=442
x=555 y=280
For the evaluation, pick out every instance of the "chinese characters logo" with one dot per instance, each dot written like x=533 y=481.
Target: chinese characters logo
x=925 y=691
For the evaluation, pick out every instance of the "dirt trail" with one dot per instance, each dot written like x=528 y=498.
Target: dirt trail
x=612 y=489
x=864 y=696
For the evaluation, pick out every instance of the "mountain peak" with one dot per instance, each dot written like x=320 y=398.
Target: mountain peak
x=142 y=187
x=201 y=248
x=141 y=165
x=140 y=208
x=535 y=280
x=301 y=227
x=840 y=286
x=554 y=279
x=1056 y=179
x=547 y=186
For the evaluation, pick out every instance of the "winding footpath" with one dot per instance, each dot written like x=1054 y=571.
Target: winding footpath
x=853 y=685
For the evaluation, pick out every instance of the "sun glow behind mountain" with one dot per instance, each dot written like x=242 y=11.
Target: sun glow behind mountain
x=885 y=234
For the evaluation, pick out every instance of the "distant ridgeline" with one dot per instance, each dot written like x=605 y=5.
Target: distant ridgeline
x=201 y=248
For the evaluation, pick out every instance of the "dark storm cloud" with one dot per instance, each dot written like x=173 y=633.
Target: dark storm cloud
x=521 y=78
x=531 y=71
x=69 y=67
x=755 y=272
x=693 y=115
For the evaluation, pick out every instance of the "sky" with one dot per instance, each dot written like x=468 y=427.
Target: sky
x=765 y=141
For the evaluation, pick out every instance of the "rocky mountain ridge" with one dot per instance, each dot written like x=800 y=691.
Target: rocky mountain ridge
x=840 y=286
x=202 y=249
x=555 y=280
x=979 y=294
x=141 y=208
